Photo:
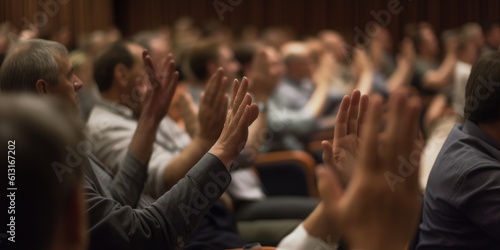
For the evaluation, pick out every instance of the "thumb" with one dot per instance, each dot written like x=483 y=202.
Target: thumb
x=254 y=113
x=187 y=103
x=327 y=153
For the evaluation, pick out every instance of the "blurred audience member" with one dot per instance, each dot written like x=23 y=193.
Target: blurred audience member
x=467 y=55
x=473 y=32
x=89 y=93
x=334 y=43
x=120 y=72
x=492 y=37
x=203 y=60
x=119 y=217
x=431 y=76
x=49 y=211
x=354 y=179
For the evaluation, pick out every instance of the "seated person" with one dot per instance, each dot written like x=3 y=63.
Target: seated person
x=296 y=101
x=48 y=213
x=251 y=202
x=353 y=185
x=430 y=76
x=43 y=67
x=461 y=197
x=119 y=73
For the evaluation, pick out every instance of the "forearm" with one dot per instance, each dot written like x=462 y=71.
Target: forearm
x=180 y=165
x=401 y=76
x=165 y=224
x=365 y=82
x=143 y=139
x=128 y=183
x=438 y=79
x=257 y=133
x=318 y=99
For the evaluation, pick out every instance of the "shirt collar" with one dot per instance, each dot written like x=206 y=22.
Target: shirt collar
x=116 y=108
x=471 y=128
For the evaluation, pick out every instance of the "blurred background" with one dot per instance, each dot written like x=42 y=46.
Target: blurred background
x=76 y=18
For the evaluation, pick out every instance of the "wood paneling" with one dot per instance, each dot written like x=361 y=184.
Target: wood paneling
x=305 y=16
x=80 y=16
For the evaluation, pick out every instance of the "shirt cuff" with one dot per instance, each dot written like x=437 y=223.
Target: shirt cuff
x=300 y=239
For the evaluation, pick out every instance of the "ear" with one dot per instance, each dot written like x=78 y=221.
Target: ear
x=75 y=222
x=120 y=74
x=41 y=87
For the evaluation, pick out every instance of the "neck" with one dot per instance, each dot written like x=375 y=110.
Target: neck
x=123 y=99
x=113 y=96
x=492 y=129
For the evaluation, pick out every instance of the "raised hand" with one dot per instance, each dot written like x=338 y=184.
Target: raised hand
x=263 y=83
x=213 y=109
x=326 y=70
x=189 y=113
x=155 y=104
x=241 y=114
x=408 y=51
x=342 y=154
x=159 y=94
x=373 y=212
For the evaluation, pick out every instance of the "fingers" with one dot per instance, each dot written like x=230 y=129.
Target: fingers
x=363 y=109
x=254 y=113
x=353 y=112
x=396 y=121
x=215 y=98
x=150 y=69
x=213 y=87
x=169 y=90
x=187 y=104
x=327 y=153
x=342 y=119
x=220 y=101
x=369 y=144
x=413 y=150
x=240 y=95
x=236 y=86
x=242 y=115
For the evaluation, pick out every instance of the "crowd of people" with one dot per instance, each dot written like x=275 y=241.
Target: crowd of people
x=149 y=141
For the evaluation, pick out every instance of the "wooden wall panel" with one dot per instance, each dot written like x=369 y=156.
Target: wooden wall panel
x=305 y=16
x=80 y=16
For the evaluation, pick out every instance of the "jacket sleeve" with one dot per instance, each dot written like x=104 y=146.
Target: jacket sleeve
x=127 y=185
x=166 y=223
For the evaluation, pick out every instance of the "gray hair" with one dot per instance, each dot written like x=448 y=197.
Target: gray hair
x=29 y=61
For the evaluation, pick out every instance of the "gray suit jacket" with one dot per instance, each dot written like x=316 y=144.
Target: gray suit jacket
x=116 y=223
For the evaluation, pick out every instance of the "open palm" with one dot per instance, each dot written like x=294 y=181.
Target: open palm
x=342 y=154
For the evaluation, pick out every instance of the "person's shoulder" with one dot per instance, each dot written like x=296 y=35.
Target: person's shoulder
x=104 y=119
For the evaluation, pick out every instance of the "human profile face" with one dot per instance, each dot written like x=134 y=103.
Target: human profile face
x=67 y=83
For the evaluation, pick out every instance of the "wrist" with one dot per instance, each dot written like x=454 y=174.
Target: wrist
x=148 y=124
x=219 y=152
